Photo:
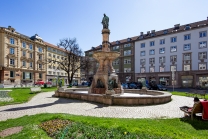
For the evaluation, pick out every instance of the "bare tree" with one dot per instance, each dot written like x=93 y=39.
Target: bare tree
x=73 y=61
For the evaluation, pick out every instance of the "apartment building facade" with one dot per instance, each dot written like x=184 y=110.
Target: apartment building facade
x=24 y=59
x=21 y=57
x=175 y=56
x=123 y=65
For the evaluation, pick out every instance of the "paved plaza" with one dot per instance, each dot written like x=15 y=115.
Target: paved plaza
x=45 y=103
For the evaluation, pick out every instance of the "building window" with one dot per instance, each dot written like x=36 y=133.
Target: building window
x=186 y=67
x=187 y=37
x=142 y=70
x=127 y=61
x=173 y=49
x=40 y=75
x=202 y=66
x=40 y=57
x=40 y=49
x=162 y=68
x=162 y=59
x=203 y=44
x=187 y=56
x=127 y=45
x=173 y=58
x=54 y=73
x=127 y=52
x=11 y=50
x=115 y=47
x=31 y=46
x=202 y=34
x=117 y=70
x=12 y=74
x=40 y=66
x=23 y=45
x=49 y=54
x=116 y=62
x=202 y=55
x=162 y=41
x=31 y=55
x=57 y=57
x=31 y=64
x=173 y=39
x=173 y=68
x=142 y=61
x=152 y=69
x=187 y=47
x=11 y=62
x=127 y=69
x=152 y=52
x=142 y=45
x=152 y=43
x=152 y=60
x=23 y=53
x=142 y=53
x=23 y=63
x=162 y=50
x=54 y=56
x=11 y=40
x=50 y=67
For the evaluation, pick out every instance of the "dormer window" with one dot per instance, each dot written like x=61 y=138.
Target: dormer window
x=129 y=39
x=187 y=27
x=165 y=32
x=177 y=26
x=117 y=42
x=141 y=37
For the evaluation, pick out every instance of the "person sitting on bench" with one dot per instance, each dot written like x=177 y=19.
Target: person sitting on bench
x=189 y=110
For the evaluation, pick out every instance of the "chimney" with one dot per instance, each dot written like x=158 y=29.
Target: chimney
x=148 y=32
x=153 y=31
x=176 y=25
x=141 y=33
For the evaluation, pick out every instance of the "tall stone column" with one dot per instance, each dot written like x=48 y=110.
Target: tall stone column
x=105 y=43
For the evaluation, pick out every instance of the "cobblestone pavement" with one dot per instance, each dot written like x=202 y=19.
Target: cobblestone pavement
x=45 y=103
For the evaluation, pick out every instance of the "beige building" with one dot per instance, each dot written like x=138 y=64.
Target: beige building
x=54 y=73
x=21 y=57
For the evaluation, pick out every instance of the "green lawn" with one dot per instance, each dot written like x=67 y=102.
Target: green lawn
x=142 y=128
x=21 y=95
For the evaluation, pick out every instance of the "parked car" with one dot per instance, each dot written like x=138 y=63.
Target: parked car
x=161 y=87
x=132 y=86
x=148 y=87
x=125 y=85
x=39 y=83
x=139 y=85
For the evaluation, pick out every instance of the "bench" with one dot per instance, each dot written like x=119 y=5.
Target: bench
x=198 y=108
x=35 y=89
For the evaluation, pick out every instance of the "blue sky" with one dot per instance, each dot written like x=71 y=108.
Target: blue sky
x=81 y=19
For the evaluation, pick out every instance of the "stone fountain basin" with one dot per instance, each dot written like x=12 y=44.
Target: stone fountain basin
x=129 y=97
x=103 y=55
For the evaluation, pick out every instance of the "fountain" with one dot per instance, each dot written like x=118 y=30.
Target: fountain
x=106 y=87
x=105 y=81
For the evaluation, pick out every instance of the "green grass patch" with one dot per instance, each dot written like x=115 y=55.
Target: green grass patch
x=104 y=128
x=184 y=94
x=22 y=95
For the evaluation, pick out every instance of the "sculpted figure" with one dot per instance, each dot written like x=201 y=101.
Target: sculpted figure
x=105 y=22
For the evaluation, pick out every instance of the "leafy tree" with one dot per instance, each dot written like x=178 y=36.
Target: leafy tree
x=74 y=59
